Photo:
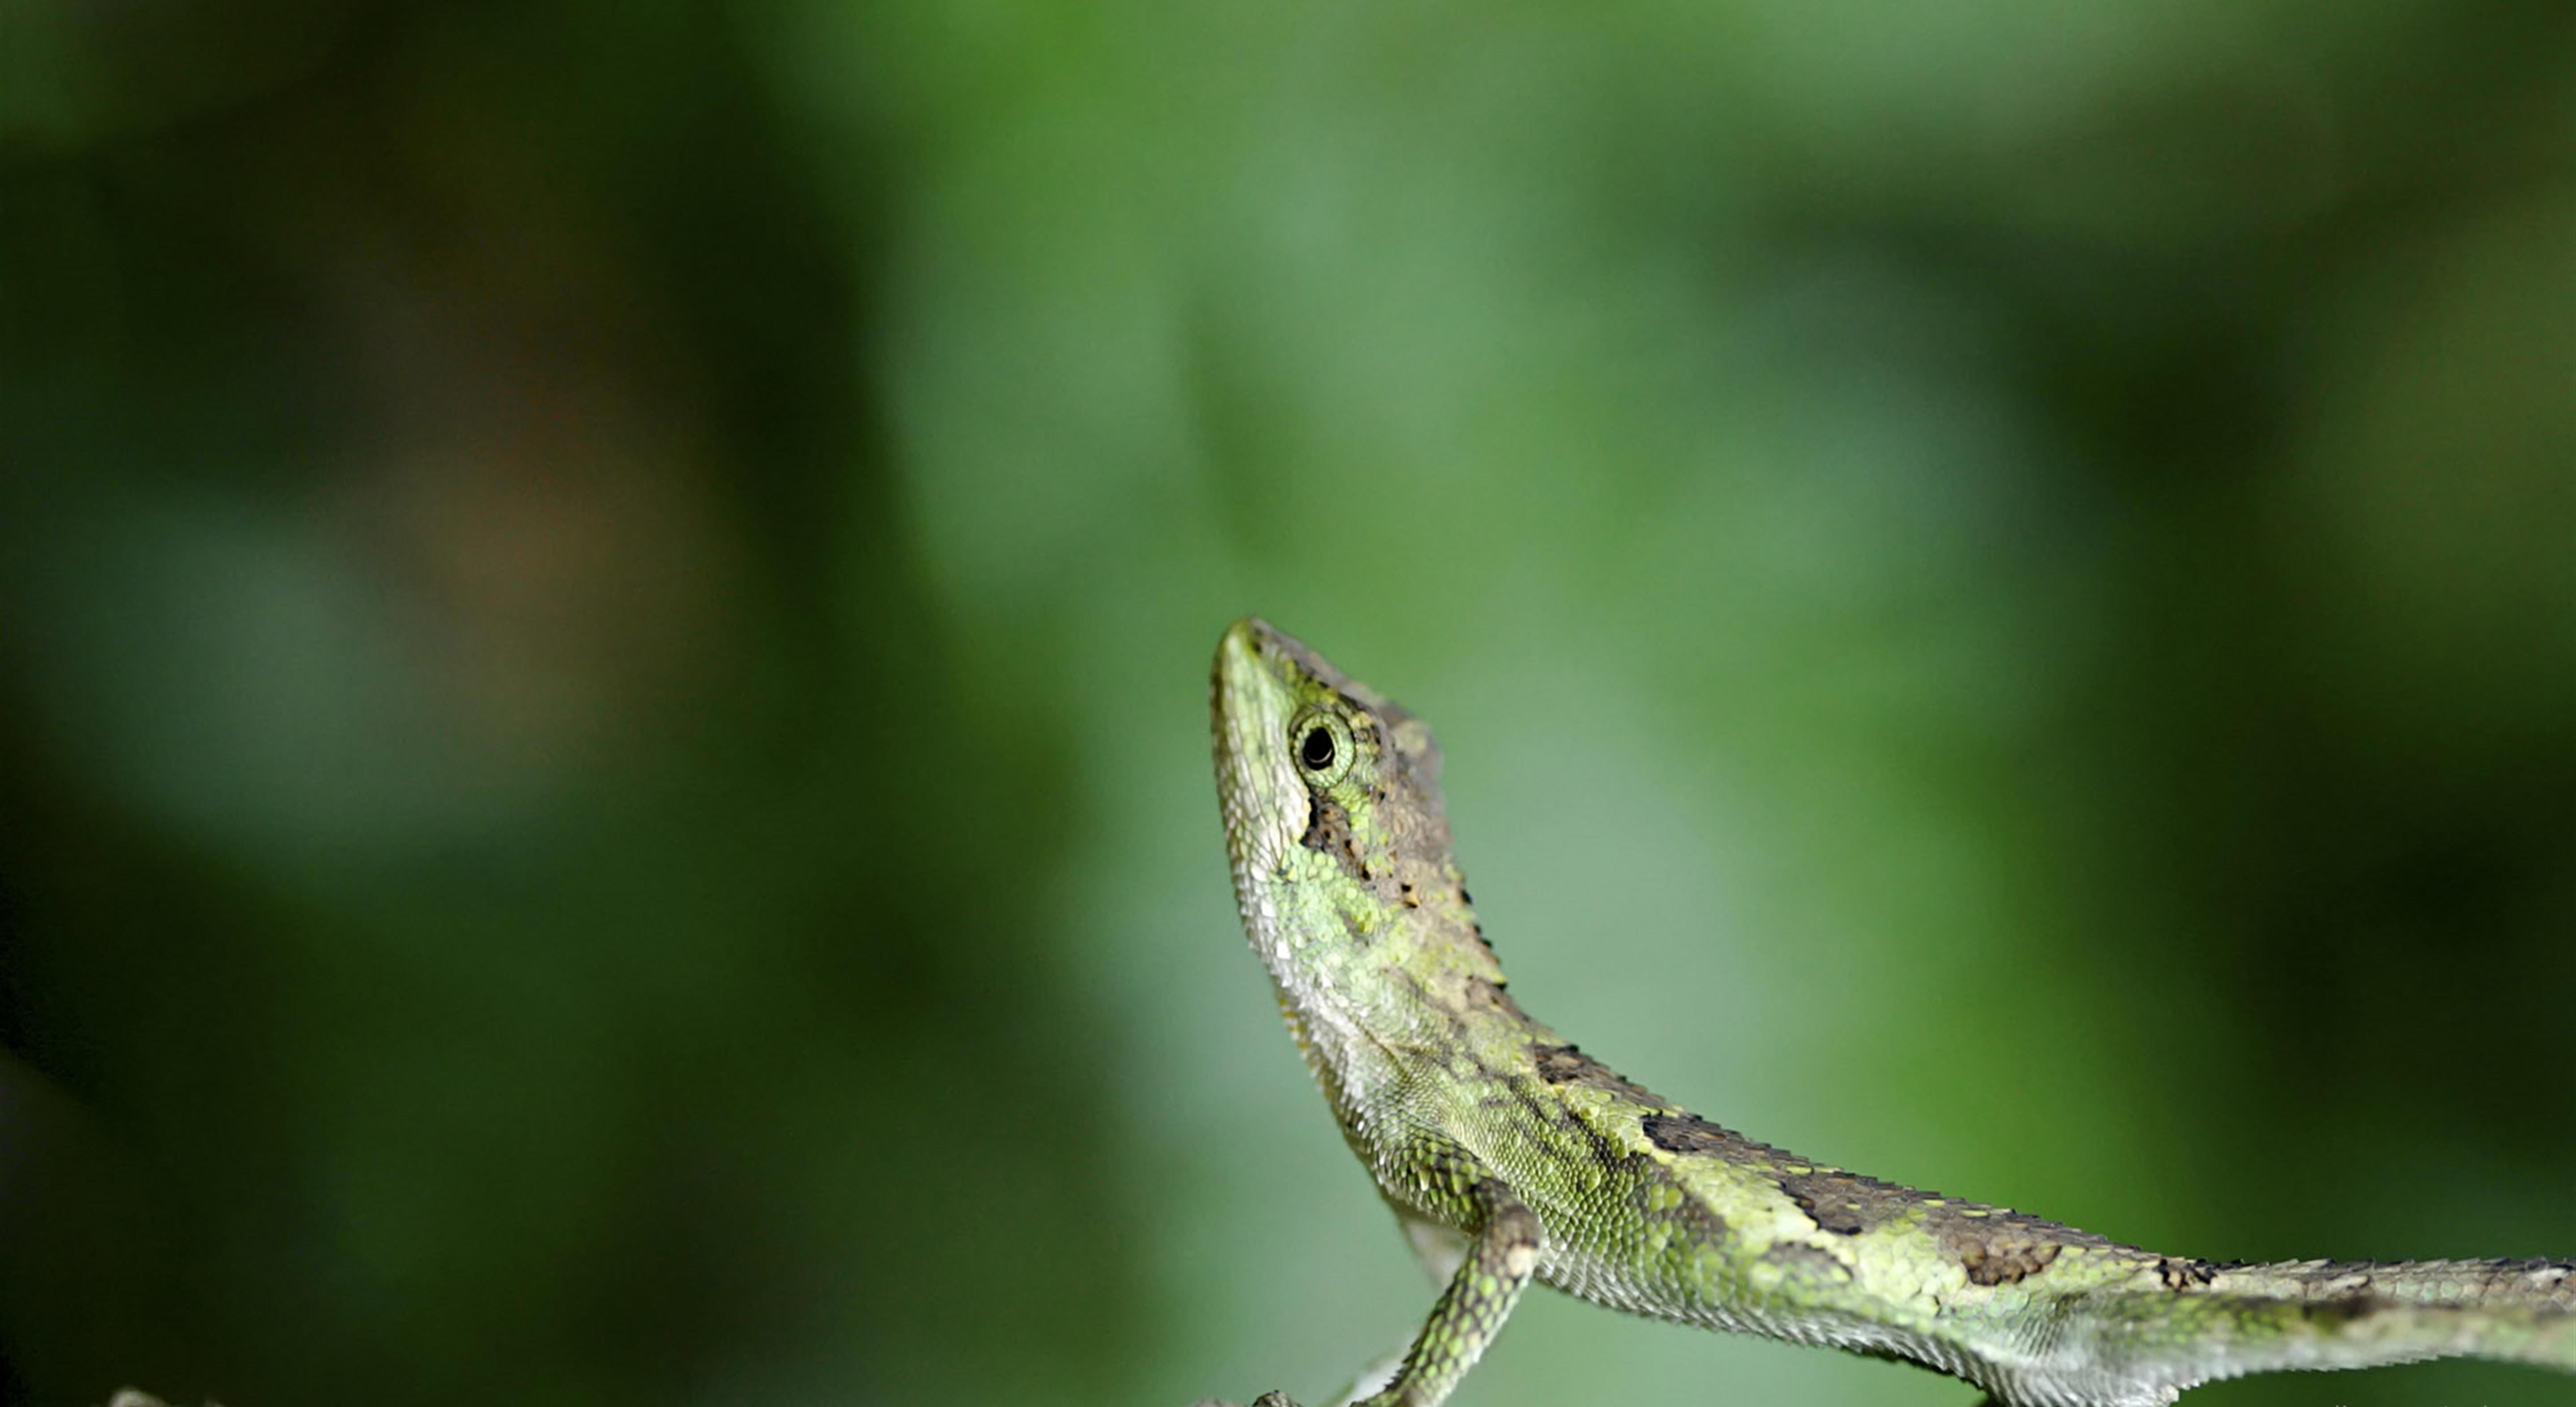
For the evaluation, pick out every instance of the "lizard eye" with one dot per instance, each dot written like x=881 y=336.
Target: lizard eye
x=1317 y=750
x=1322 y=743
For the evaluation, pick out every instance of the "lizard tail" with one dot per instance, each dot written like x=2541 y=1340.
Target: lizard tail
x=2228 y=1320
x=2519 y=1310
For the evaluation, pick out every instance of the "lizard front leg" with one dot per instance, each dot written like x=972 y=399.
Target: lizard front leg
x=1475 y=1304
x=1470 y=1311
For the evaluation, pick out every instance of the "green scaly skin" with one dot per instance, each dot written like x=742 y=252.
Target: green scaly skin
x=1509 y=1155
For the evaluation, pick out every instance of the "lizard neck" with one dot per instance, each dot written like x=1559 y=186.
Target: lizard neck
x=1384 y=999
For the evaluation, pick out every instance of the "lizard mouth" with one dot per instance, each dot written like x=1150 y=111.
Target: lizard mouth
x=1249 y=695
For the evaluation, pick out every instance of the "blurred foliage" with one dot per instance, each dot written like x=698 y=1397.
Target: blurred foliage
x=602 y=614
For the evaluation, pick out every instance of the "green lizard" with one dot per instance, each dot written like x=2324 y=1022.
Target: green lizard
x=1509 y=1155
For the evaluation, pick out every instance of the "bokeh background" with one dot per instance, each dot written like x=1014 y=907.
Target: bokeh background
x=604 y=613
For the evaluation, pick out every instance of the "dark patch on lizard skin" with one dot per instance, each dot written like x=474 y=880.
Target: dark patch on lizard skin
x=1562 y=1064
x=2335 y=1313
x=2183 y=1273
x=1607 y=1156
x=1366 y=737
x=1689 y=1133
x=1566 y=1065
x=2355 y=1281
x=1691 y=1214
x=2555 y=1278
x=1328 y=832
x=2003 y=1247
x=1848 y=1204
x=1487 y=994
x=1658 y=1196
x=1806 y=1262
x=1837 y=1201
x=1995 y=1246
x=2006 y=1261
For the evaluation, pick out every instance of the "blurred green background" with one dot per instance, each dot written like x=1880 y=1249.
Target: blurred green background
x=604 y=613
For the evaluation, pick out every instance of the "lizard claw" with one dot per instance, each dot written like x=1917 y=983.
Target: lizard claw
x=1267 y=1399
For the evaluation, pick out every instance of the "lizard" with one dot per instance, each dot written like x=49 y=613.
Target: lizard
x=1509 y=1155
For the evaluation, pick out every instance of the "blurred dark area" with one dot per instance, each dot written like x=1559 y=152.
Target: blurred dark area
x=603 y=615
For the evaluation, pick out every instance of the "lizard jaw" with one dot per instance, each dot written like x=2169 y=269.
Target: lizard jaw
x=1265 y=805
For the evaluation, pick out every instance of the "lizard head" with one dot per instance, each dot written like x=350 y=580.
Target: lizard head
x=1333 y=820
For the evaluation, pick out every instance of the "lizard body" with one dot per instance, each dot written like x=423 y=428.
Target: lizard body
x=1510 y=1155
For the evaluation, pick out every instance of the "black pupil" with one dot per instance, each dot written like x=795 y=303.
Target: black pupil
x=1317 y=750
